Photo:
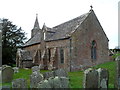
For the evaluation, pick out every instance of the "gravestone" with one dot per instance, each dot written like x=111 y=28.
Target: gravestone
x=7 y=74
x=47 y=75
x=35 y=68
x=19 y=84
x=16 y=69
x=56 y=82
x=90 y=78
x=103 y=78
x=44 y=84
x=51 y=82
x=61 y=73
x=64 y=82
x=117 y=82
x=35 y=78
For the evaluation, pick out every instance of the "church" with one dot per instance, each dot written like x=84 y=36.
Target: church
x=73 y=45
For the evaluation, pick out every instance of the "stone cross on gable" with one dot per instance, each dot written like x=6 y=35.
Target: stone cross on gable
x=91 y=7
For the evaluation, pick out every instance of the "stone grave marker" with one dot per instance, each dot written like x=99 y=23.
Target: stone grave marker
x=117 y=82
x=7 y=74
x=61 y=73
x=35 y=68
x=90 y=78
x=16 y=69
x=35 y=78
x=51 y=82
x=47 y=75
x=19 y=84
x=44 y=84
x=57 y=82
x=64 y=82
x=103 y=77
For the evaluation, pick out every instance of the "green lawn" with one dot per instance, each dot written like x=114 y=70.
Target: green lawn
x=76 y=78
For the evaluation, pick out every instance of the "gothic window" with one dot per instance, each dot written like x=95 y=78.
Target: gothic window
x=93 y=50
x=49 y=55
x=61 y=55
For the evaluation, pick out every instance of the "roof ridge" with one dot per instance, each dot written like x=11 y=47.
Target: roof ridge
x=70 y=20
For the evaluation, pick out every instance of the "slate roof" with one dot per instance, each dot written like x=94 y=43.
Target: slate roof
x=34 y=40
x=61 y=31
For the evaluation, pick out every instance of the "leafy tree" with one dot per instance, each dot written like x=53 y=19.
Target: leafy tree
x=12 y=38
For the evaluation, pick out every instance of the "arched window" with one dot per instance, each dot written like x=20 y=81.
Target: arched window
x=62 y=55
x=93 y=50
x=49 y=54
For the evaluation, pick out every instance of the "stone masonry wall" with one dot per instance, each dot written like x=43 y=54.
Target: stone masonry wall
x=81 y=44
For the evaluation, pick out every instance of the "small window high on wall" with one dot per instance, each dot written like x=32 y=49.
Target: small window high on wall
x=61 y=55
x=93 y=50
x=49 y=54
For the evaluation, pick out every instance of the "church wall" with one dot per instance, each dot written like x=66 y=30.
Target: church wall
x=55 y=44
x=64 y=44
x=81 y=43
x=32 y=48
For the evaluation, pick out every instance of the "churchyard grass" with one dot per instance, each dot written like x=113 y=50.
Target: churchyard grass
x=76 y=78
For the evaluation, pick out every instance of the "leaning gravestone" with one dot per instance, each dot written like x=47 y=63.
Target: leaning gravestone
x=90 y=78
x=117 y=83
x=35 y=68
x=19 y=84
x=35 y=78
x=103 y=77
x=7 y=74
x=61 y=73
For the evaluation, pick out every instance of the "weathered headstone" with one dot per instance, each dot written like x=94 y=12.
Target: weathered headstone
x=35 y=68
x=103 y=78
x=90 y=78
x=19 y=84
x=35 y=78
x=61 y=73
x=7 y=74
x=47 y=75
x=64 y=82
x=57 y=82
x=51 y=82
x=16 y=69
x=44 y=84
x=117 y=82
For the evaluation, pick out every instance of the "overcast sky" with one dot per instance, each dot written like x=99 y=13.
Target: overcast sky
x=54 y=12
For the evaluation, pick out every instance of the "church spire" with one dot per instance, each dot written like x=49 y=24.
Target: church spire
x=36 y=25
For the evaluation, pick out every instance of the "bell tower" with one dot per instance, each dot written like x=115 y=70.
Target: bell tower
x=36 y=27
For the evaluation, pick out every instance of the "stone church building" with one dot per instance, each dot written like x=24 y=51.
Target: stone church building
x=72 y=45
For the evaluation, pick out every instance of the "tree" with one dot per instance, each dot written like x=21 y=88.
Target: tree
x=12 y=38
